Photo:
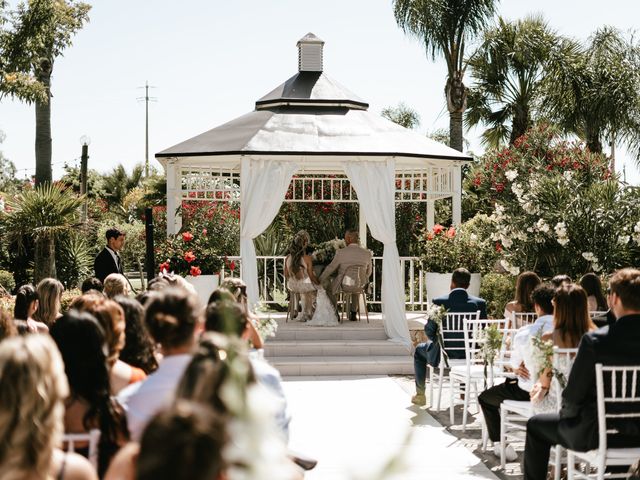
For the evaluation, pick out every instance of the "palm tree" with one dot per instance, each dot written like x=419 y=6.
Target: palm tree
x=445 y=27
x=403 y=115
x=42 y=213
x=593 y=91
x=508 y=69
x=118 y=184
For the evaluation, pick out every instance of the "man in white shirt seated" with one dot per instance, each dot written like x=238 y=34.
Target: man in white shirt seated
x=517 y=388
x=171 y=317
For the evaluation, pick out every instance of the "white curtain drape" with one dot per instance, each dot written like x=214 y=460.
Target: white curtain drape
x=374 y=183
x=263 y=185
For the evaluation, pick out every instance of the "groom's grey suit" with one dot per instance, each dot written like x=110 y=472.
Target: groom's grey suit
x=352 y=254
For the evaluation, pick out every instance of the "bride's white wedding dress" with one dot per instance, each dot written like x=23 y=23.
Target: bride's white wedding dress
x=324 y=314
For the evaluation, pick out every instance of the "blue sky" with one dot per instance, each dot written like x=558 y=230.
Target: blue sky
x=210 y=60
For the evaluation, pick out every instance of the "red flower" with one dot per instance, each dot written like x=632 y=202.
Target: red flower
x=164 y=267
x=498 y=247
x=232 y=265
x=430 y=236
x=451 y=232
x=204 y=232
x=477 y=181
x=437 y=229
x=500 y=187
x=187 y=236
x=195 y=271
x=189 y=256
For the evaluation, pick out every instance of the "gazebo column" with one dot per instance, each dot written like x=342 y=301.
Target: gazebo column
x=174 y=197
x=457 y=195
x=431 y=213
x=362 y=228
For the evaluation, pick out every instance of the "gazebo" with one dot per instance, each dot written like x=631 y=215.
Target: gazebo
x=312 y=140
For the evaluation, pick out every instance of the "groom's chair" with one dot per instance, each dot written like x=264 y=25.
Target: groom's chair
x=352 y=289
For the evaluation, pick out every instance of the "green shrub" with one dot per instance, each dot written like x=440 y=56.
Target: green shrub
x=74 y=260
x=498 y=290
x=6 y=281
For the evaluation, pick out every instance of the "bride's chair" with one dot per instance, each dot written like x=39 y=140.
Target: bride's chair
x=352 y=288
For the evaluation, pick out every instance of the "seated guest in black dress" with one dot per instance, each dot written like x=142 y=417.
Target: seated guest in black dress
x=576 y=426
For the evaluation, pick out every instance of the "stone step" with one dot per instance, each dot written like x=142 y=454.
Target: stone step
x=342 y=332
x=327 y=348
x=343 y=365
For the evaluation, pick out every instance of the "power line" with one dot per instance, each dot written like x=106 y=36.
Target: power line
x=146 y=99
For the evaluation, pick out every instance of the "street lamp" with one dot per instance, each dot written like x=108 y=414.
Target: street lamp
x=85 y=141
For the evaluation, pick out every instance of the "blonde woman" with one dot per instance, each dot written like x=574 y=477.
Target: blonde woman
x=114 y=285
x=49 y=295
x=34 y=387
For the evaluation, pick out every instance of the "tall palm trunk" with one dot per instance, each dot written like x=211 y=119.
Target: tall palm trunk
x=45 y=259
x=43 y=126
x=521 y=123
x=456 y=94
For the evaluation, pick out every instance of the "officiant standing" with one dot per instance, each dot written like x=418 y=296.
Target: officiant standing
x=352 y=254
x=108 y=260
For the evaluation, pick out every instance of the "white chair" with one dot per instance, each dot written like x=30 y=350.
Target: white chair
x=453 y=323
x=352 y=289
x=472 y=372
x=514 y=414
x=597 y=313
x=520 y=319
x=620 y=388
x=70 y=442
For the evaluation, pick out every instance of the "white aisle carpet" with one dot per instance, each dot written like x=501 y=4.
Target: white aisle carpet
x=355 y=425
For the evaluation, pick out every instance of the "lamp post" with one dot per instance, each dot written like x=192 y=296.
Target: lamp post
x=85 y=141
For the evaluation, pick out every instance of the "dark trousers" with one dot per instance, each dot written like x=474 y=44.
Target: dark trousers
x=542 y=434
x=491 y=399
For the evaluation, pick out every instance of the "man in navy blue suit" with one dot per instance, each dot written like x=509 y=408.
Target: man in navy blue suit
x=457 y=301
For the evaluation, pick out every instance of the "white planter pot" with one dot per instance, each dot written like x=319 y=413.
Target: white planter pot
x=439 y=284
x=204 y=285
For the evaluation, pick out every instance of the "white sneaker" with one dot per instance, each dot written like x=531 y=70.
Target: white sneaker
x=509 y=453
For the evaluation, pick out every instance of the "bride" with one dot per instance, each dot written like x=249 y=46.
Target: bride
x=298 y=270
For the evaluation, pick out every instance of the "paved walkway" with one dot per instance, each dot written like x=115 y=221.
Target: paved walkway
x=355 y=425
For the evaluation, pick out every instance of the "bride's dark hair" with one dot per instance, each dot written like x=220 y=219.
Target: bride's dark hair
x=297 y=250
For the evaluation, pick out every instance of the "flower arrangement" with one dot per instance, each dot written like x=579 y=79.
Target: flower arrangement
x=490 y=341
x=324 y=252
x=437 y=313
x=443 y=249
x=543 y=357
x=188 y=254
x=266 y=327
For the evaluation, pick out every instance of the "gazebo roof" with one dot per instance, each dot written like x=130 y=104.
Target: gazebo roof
x=312 y=116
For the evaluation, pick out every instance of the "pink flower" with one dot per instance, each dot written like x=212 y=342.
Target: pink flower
x=189 y=256
x=187 y=236
x=195 y=271
x=451 y=232
x=437 y=229
x=498 y=247
x=204 y=232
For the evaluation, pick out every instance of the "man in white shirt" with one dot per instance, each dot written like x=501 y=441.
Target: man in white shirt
x=517 y=388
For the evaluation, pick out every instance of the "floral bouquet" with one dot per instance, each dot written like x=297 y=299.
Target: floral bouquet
x=324 y=252
x=266 y=327
x=188 y=254
x=543 y=357
x=490 y=341
x=437 y=313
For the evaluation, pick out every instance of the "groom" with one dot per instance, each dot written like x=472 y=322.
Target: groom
x=352 y=254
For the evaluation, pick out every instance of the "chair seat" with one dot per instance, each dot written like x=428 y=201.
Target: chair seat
x=612 y=454
x=522 y=407
x=476 y=371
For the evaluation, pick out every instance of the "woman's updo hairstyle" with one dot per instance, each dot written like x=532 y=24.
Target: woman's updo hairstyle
x=172 y=316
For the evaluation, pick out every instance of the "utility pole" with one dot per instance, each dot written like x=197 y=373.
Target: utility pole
x=84 y=160
x=146 y=99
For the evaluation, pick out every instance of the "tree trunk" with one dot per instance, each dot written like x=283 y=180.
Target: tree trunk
x=594 y=144
x=456 y=94
x=43 y=127
x=521 y=123
x=45 y=259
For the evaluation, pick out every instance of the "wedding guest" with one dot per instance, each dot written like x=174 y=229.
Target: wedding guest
x=593 y=287
x=171 y=317
x=518 y=388
x=81 y=342
x=31 y=424
x=525 y=284
x=238 y=289
x=91 y=283
x=571 y=321
x=139 y=347
x=115 y=284
x=576 y=425
x=560 y=280
x=184 y=442
x=110 y=316
x=26 y=306
x=49 y=301
x=108 y=260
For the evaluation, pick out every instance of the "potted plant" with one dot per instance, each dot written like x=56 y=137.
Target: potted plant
x=443 y=249
x=192 y=257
